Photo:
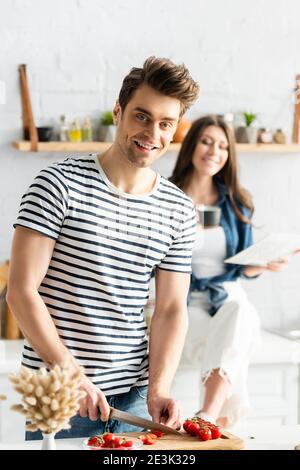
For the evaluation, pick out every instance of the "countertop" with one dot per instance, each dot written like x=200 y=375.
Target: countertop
x=266 y=437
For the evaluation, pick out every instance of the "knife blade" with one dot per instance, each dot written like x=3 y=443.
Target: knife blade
x=140 y=422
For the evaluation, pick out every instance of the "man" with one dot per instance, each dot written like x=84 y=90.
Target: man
x=90 y=232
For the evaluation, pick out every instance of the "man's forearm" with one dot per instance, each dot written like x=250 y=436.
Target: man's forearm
x=167 y=335
x=37 y=326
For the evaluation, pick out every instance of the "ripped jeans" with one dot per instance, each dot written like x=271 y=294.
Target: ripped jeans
x=133 y=402
x=226 y=342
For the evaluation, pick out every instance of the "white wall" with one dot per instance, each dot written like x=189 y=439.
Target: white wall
x=244 y=54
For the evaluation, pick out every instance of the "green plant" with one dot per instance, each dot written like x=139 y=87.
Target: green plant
x=107 y=118
x=249 y=118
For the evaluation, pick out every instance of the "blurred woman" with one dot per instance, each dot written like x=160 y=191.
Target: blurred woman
x=224 y=325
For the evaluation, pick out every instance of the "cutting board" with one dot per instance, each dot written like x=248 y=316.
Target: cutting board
x=186 y=442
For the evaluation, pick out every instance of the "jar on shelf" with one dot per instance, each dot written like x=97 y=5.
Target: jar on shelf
x=264 y=136
x=279 y=137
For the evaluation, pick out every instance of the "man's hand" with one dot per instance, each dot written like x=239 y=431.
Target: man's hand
x=164 y=410
x=94 y=402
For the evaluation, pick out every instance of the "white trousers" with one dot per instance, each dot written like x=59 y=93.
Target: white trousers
x=225 y=341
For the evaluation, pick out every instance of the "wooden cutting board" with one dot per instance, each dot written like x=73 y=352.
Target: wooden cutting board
x=186 y=442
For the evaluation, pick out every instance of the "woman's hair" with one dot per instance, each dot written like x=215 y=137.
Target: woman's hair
x=184 y=167
x=163 y=76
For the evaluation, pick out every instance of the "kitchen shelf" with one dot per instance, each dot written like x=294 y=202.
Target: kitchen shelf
x=24 y=146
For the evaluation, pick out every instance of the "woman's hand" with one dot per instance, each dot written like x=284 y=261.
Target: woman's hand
x=277 y=266
x=273 y=266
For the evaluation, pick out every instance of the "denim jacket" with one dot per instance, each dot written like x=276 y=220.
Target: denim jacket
x=238 y=237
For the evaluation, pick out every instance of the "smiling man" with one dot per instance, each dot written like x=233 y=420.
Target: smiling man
x=89 y=234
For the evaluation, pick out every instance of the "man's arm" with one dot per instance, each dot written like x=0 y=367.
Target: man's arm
x=30 y=258
x=167 y=334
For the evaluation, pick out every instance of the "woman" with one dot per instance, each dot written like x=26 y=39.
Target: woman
x=224 y=325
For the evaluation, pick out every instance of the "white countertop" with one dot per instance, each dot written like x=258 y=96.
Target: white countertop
x=276 y=349
x=256 y=438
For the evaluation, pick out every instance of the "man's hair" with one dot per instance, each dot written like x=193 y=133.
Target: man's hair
x=163 y=76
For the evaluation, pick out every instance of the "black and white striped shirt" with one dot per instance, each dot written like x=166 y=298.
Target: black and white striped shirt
x=106 y=246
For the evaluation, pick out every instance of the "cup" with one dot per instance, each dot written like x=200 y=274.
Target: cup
x=208 y=216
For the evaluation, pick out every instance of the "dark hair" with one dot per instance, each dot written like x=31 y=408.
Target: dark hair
x=163 y=76
x=184 y=167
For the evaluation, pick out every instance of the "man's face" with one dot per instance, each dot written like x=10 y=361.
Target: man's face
x=146 y=126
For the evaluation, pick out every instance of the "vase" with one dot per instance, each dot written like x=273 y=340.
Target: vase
x=107 y=133
x=246 y=135
x=48 y=441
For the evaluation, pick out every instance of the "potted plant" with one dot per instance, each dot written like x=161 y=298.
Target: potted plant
x=247 y=134
x=108 y=129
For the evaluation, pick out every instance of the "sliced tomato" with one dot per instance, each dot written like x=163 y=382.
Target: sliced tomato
x=157 y=433
x=148 y=441
x=151 y=435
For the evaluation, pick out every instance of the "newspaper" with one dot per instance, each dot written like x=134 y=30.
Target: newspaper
x=269 y=249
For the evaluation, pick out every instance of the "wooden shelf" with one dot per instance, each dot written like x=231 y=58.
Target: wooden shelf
x=24 y=146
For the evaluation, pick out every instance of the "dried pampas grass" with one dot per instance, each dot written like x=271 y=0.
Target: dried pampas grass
x=49 y=399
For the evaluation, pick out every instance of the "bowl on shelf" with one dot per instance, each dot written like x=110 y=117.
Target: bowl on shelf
x=45 y=133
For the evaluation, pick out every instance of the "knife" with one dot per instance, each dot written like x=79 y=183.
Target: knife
x=141 y=422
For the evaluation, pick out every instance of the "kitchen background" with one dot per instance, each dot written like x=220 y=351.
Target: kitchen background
x=244 y=55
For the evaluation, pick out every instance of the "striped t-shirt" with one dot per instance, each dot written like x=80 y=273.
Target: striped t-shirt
x=107 y=244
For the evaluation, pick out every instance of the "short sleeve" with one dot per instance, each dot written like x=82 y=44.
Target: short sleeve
x=44 y=205
x=179 y=256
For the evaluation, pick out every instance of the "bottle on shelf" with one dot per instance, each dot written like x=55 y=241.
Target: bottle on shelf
x=63 y=129
x=75 y=134
x=279 y=137
x=87 y=130
x=265 y=136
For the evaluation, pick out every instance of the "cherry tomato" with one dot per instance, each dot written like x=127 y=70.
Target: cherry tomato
x=108 y=437
x=116 y=441
x=204 y=434
x=193 y=429
x=94 y=441
x=215 y=432
x=186 y=426
x=128 y=443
